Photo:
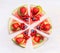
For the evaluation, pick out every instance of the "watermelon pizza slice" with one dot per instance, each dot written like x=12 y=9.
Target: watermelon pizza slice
x=15 y=25
x=37 y=38
x=45 y=26
x=22 y=13
x=21 y=39
x=36 y=12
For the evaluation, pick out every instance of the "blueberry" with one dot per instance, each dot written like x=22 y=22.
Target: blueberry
x=33 y=19
x=25 y=26
x=26 y=19
x=38 y=27
x=32 y=30
x=26 y=32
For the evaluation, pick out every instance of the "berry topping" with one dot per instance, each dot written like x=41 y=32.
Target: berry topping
x=15 y=25
x=33 y=32
x=19 y=40
x=46 y=27
x=35 y=18
x=23 y=26
x=26 y=37
x=25 y=17
x=23 y=10
x=26 y=32
x=37 y=38
x=35 y=10
x=38 y=27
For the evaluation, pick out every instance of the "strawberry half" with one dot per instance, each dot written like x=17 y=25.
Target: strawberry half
x=26 y=37
x=36 y=38
x=35 y=10
x=33 y=33
x=23 y=10
x=46 y=27
x=15 y=25
x=22 y=26
x=19 y=40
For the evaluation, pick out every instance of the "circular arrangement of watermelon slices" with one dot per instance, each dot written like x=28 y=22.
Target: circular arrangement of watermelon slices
x=31 y=23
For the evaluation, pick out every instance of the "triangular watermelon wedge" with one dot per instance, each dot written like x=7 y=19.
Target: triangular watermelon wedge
x=15 y=26
x=36 y=12
x=37 y=38
x=22 y=13
x=45 y=26
x=21 y=39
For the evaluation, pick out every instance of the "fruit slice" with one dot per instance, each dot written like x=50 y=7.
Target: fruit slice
x=21 y=39
x=36 y=13
x=37 y=39
x=22 y=13
x=22 y=10
x=45 y=26
x=15 y=26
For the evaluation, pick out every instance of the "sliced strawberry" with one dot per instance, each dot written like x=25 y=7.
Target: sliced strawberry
x=33 y=33
x=35 y=10
x=25 y=34
x=26 y=37
x=37 y=38
x=22 y=26
x=23 y=10
x=19 y=40
x=34 y=18
x=15 y=25
x=46 y=27
x=25 y=17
